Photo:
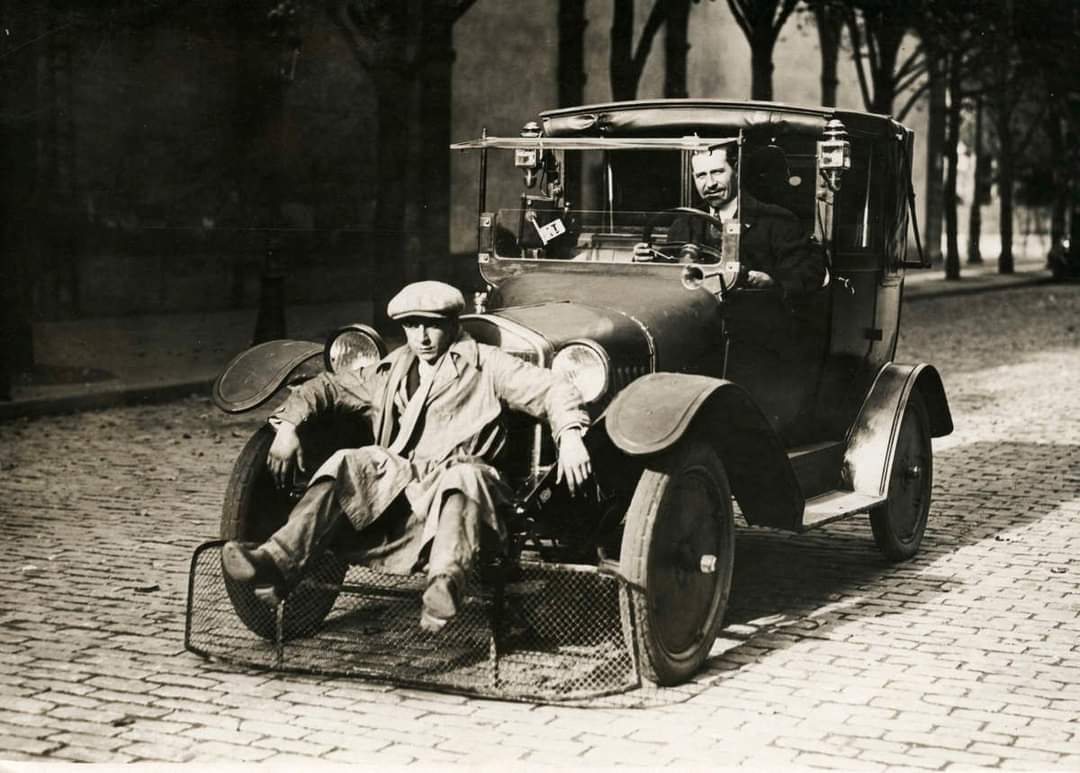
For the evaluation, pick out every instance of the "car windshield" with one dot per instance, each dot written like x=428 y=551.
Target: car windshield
x=596 y=205
x=542 y=231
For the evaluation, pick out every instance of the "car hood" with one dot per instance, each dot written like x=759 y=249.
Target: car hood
x=640 y=320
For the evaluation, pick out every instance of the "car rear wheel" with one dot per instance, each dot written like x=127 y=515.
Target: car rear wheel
x=254 y=509
x=900 y=523
x=679 y=545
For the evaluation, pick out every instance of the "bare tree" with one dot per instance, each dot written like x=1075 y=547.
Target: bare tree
x=676 y=47
x=1004 y=98
x=627 y=61
x=935 y=158
x=974 y=249
x=877 y=29
x=1047 y=36
x=761 y=22
x=406 y=49
x=829 y=16
x=571 y=76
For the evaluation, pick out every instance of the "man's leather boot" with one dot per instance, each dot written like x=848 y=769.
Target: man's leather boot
x=251 y=566
x=440 y=603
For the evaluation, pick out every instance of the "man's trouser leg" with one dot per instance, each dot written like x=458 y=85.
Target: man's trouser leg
x=313 y=522
x=453 y=552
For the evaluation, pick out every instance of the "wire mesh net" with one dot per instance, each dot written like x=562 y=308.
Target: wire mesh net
x=532 y=631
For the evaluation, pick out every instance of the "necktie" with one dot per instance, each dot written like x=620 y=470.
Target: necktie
x=411 y=415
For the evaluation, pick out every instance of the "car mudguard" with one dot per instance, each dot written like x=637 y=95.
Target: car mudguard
x=654 y=412
x=872 y=438
x=252 y=376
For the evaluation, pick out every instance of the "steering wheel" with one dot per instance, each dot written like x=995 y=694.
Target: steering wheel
x=703 y=250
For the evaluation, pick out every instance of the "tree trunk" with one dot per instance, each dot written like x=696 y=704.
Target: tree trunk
x=623 y=83
x=885 y=81
x=429 y=191
x=407 y=49
x=1074 y=225
x=571 y=78
x=935 y=171
x=1059 y=180
x=571 y=64
x=952 y=140
x=392 y=90
x=1005 y=192
x=974 y=250
x=21 y=205
x=829 y=27
x=761 y=65
x=675 y=48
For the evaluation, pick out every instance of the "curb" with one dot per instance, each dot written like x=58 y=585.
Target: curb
x=94 y=401
x=912 y=293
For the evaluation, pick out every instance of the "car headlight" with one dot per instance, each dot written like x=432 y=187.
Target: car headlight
x=353 y=347
x=585 y=365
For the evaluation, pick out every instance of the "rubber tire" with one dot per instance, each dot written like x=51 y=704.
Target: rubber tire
x=255 y=508
x=900 y=523
x=671 y=649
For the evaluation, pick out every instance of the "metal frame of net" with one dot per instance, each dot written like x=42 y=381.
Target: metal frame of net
x=529 y=631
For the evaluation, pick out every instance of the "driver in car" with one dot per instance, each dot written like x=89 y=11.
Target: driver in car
x=425 y=493
x=772 y=246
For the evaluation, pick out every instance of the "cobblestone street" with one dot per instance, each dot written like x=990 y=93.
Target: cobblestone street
x=967 y=656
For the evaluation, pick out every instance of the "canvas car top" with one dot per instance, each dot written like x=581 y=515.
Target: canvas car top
x=676 y=117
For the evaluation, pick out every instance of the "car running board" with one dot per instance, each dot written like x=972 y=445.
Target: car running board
x=834 y=505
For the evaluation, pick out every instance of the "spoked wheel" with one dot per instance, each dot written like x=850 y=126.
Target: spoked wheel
x=254 y=509
x=899 y=524
x=679 y=546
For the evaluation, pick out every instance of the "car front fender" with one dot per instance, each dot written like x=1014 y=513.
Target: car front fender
x=253 y=376
x=653 y=413
x=872 y=438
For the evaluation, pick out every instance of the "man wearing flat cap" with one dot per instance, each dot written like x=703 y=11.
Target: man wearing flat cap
x=427 y=490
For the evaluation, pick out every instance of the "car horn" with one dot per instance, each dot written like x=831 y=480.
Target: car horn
x=729 y=273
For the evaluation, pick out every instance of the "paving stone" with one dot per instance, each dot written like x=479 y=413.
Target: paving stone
x=89 y=741
x=89 y=754
x=836 y=763
x=354 y=742
x=145 y=751
x=291 y=746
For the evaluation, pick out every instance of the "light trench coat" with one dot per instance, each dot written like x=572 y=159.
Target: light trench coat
x=452 y=443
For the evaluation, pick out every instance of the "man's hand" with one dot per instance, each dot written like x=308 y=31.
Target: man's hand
x=284 y=453
x=759 y=280
x=574 y=463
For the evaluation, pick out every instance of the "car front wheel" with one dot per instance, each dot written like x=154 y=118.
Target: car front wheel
x=679 y=538
x=254 y=509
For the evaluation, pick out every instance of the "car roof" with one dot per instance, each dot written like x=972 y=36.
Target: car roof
x=676 y=117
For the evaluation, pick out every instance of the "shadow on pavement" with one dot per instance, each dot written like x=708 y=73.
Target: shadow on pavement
x=789 y=587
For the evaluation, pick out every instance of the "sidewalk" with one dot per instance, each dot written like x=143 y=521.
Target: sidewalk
x=102 y=362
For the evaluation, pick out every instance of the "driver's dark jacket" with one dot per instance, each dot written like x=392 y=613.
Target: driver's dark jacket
x=772 y=240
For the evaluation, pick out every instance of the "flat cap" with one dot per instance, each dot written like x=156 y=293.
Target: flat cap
x=426 y=299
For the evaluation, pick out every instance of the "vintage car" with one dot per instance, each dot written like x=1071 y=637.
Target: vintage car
x=708 y=398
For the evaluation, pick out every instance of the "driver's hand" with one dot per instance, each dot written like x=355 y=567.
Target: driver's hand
x=643 y=253
x=574 y=463
x=284 y=453
x=759 y=280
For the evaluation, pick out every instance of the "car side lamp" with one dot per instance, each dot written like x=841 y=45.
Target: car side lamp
x=528 y=159
x=834 y=154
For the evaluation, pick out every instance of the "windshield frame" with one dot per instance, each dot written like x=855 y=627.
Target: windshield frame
x=686 y=145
